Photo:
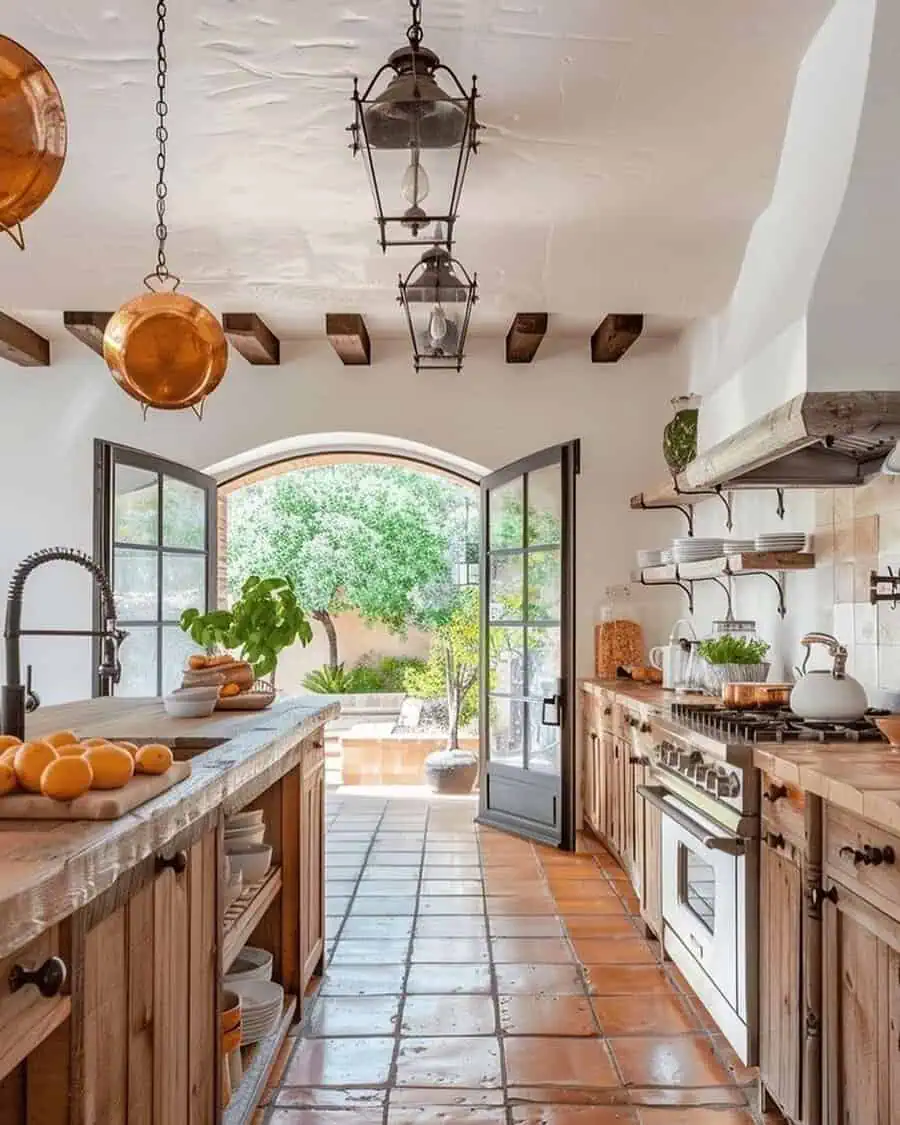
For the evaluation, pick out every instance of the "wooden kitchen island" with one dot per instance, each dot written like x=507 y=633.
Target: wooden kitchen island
x=134 y=909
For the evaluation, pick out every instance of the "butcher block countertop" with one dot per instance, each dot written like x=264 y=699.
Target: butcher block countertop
x=651 y=695
x=49 y=869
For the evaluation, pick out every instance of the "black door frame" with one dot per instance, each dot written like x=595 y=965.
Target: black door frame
x=568 y=456
x=107 y=455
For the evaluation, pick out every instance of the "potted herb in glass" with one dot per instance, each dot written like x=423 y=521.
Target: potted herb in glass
x=732 y=659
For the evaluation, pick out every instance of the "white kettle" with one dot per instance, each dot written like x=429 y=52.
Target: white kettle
x=671 y=659
x=828 y=695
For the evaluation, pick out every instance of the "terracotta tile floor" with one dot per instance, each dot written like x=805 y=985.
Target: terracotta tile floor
x=476 y=979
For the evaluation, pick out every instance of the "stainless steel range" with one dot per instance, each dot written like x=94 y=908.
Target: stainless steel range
x=705 y=784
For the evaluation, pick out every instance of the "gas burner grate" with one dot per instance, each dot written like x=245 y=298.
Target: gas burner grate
x=774 y=726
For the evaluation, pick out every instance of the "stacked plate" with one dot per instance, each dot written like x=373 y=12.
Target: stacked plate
x=739 y=546
x=261 y=1005
x=250 y=964
x=782 y=541
x=667 y=556
x=649 y=558
x=696 y=550
x=245 y=828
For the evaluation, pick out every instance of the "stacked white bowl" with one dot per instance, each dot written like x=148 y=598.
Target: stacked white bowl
x=248 y=855
x=261 y=1005
x=251 y=963
x=696 y=550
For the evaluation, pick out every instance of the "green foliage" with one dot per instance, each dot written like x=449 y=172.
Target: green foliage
x=332 y=681
x=733 y=650
x=265 y=619
x=385 y=673
x=351 y=536
x=452 y=667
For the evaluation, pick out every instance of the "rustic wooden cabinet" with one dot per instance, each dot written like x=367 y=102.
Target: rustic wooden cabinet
x=861 y=1011
x=781 y=1016
x=312 y=864
x=651 y=887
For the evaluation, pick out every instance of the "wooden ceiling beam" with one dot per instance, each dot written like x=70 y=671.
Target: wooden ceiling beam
x=615 y=335
x=22 y=345
x=88 y=327
x=348 y=335
x=524 y=336
x=253 y=338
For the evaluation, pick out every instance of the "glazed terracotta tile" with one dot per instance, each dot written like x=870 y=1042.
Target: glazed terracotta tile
x=614 y=951
x=452 y=887
x=353 y=1016
x=451 y=904
x=644 y=1015
x=340 y=886
x=675 y=1061
x=445 y=1115
x=539 y=980
x=303 y=1097
x=371 y=1116
x=449 y=871
x=533 y=905
x=448 y=1015
x=627 y=980
x=600 y=925
x=540 y=950
x=525 y=926
x=546 y=1015
x=740 y=1073
x=393 y=907
x=374 y=927
x=468 y=1062
x=449 y=979
x=369 y=888
x=389 y=875
x=518 y=888
x=441 y=950
x=336 y=905
x=581 y=888
x=457 y=1096
x=385 y=857
x=694 y=1116
x=631 y=901
x=340 y=1062
x=568 y=1095
x=707 y=1097
x=573 y=1115
x=453 y=926
x=363 y=980
x=364 y=951
x=561 y=1061
x=575 y=908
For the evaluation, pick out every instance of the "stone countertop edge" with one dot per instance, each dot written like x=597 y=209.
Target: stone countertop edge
x=51 y=869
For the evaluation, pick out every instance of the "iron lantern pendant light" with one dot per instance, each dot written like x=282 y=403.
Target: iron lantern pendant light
x=164 y=349
x=438 y=305
x=411 y=116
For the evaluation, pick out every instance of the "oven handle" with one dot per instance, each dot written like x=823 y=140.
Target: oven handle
x=733 y=845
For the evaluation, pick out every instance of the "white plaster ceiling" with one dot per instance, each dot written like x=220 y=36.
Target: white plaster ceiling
x=628 y=147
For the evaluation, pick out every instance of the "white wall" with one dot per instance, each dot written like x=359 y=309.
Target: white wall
x=490 y=414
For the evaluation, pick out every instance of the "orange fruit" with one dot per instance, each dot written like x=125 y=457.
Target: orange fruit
x=71 y=750
x=229 y=690
x=153 y=758
x=95 y=742
x=31 y=759
x=61 y=738
x=67 y=778
x=129 y=746
x=7 y=740
x=8 y=780
x=198 y=660
x=113 y=767
x=8 y=756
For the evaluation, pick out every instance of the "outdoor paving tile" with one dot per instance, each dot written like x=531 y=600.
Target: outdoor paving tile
x=391 y=907
x=468 y=1062
x=451 y=926
x=449 y=979
x=447 y=871
x=340 y=1062
x=625 y=980
x=547 y=1015
x=672 y=1061
x=539 y=980
x=574 y=1115
x=459 y=951
x=340 y=886
x=559 y=1061
x=539 y=950
x=353 y=1016
x=644 y=1015
x=375 y=927
x=448 y=1015
x=377 y=951
x=369 y=888
x=525 y=926
x=336 y=905
x=363 y=980
x=600 y=925
x=452 y=887
x=451 y=904
x=614 y=951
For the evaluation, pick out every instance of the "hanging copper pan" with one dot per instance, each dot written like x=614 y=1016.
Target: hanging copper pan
x=32 y=136
x=166 y=350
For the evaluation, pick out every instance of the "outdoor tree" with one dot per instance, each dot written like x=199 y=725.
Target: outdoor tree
x=352 y=536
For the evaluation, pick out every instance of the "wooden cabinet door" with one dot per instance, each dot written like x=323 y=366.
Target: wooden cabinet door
x=651 y=888
x=146 y=1030
x=861 y=1012
x=312 y=864
x=588 y=767
x=781 y=908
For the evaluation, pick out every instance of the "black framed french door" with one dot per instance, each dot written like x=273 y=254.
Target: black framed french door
x=155 y=534
x=527 y=693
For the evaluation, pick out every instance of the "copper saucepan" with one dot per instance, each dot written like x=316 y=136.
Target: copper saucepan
x=166 y=350
x=32 y=136
x=747 y=695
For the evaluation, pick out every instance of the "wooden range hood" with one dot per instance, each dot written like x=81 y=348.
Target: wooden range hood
x=820 y=439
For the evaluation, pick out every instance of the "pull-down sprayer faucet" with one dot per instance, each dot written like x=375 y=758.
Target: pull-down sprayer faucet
x=13 y=698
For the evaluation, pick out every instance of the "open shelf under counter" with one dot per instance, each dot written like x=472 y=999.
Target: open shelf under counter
x=258 y=1061
x=245 y=913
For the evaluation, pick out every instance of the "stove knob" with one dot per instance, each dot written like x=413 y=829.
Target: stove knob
x=701 y=774
x=727 y=784
x=684 y=761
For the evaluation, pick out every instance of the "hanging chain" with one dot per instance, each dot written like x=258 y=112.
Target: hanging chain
x=162 y=137
x=414 y=31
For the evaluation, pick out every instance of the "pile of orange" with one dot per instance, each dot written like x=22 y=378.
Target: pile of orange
x=61 y=767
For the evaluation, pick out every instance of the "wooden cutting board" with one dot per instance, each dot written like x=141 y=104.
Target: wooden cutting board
x=109 y=804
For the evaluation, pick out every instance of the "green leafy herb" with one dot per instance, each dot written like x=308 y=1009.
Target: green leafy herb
x=733 y=650
x=265 y=619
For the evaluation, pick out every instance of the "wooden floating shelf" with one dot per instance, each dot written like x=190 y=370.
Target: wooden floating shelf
x=245 y=913
x=668 y=495
x=751 y=563
x=258 y=1061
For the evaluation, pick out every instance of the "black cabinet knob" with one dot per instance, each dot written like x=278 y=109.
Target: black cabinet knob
x=176 y=862
x=645 y=728
x=607 y=710
x=48 y=978
x=775 y=793
x=775 y=839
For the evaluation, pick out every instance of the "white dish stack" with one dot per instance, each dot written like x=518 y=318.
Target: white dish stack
x=250 y=964
x=787 y=541
x=696 y=550
x=261 y=1006
x=649 y=558
x=247 y=856
x=738 y=546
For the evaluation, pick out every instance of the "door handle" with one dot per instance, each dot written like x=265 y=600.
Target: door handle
x=551 y=711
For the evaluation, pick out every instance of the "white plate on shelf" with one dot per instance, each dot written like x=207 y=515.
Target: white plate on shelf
x=649 y=558
x=780 y=542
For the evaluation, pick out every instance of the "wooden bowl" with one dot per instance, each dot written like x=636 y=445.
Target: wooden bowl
x=889 y=725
